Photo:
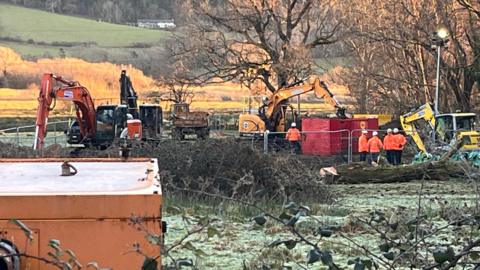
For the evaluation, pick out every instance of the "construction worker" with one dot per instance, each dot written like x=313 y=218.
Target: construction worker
x=363 y=145
x=388 y=146
x=124 y=133
x=375 y=145
x=399 y=142
x=294 y=137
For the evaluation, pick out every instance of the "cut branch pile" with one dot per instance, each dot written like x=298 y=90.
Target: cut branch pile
x=231 y=168
x=224 y=167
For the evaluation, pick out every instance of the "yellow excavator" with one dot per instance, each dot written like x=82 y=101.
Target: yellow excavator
x=448 y=127
x=272 y=114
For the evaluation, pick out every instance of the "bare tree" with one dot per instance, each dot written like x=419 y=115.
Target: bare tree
x=401 y=33
x=179 y=91
x=256 y=40
x=52 y=5
x=174 y=79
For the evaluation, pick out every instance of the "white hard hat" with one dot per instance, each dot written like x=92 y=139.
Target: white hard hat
x=395 y=130
x=129 y=116
x=375 y=133
x=389 y=130
x=294 y=124
x=364 y=131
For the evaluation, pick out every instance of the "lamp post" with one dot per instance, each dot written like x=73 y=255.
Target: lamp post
x=440 y=39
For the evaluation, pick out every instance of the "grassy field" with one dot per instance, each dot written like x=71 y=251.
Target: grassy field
x=35 y=33
x=25 y=24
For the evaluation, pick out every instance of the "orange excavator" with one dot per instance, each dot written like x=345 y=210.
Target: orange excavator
x=70 y=91
x=93 y=127
x=273 y=114
x=101 y=126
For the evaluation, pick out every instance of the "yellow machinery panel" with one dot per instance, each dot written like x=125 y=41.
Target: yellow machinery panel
x=382 y=118
x=250 y=124
x=471 y=140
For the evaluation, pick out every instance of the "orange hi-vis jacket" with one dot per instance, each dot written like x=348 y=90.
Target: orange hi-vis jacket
x=388 y=142
x=363 y=143
x=399 y=141
x=293 y=134
x=375 y=144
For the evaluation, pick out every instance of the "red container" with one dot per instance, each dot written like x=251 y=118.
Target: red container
x=134 y=129
x=330 y=136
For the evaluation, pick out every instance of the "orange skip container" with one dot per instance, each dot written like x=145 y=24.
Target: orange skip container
x=89 y=212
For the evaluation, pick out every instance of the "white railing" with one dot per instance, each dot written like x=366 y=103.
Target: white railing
x=24 y=135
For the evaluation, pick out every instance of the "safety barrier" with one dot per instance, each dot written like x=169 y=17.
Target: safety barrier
x=24 y=135
x=318 y=143
x=355 y=134
x=339 y=143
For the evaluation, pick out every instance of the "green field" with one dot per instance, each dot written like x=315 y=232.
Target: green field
x=24 y=23
x=35 y=33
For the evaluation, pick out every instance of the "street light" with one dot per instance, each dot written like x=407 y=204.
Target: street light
x=439 y=40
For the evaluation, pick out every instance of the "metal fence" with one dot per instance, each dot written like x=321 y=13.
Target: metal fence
x=340 y=144
x=25 y=135
x=355 y=134
x=334 y=144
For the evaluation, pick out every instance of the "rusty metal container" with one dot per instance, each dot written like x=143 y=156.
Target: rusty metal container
x=89 y=212
x=191 y=119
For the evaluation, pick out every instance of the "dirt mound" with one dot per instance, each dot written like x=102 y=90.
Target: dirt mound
x=224 y=167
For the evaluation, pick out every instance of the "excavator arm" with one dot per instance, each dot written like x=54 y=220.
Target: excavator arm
x=69 y=91
x=320 y=89
x=271 y=115
x=128 y=96
x=424 y=112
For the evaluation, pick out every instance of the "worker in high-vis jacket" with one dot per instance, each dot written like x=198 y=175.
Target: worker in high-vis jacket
x=124 y=133
x=375 y=145
x=388 y=142
x=294 y=137
x=399 y=142
x=363 y=145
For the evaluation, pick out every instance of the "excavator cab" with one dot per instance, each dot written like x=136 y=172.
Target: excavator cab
x=448 y=128
x=287 y=115
x=152 y=120
x=458 y=126
x=111 y=120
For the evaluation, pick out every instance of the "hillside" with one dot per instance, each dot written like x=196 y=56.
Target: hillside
x=38 y=34
x=40 y=26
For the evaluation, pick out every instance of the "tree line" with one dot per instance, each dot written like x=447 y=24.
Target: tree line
x=388 y=44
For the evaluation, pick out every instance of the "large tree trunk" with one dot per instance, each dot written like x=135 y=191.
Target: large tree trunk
x=357 y=173
x=443 y=169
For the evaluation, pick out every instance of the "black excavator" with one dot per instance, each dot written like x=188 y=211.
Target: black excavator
x=149 y=114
